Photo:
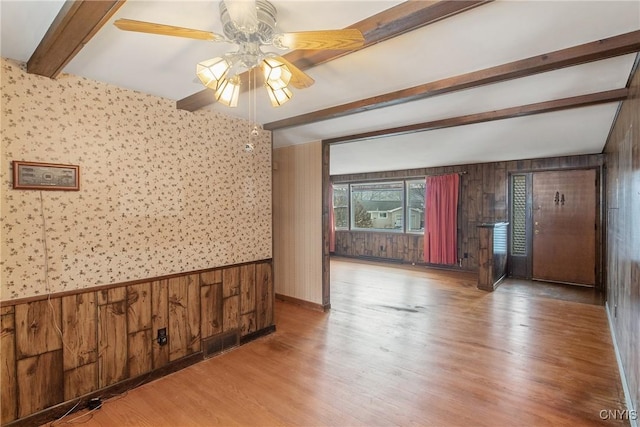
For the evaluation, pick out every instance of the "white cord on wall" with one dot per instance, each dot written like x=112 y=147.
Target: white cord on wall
x=47 y=283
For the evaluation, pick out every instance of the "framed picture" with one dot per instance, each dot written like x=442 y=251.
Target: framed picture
x=45 y=176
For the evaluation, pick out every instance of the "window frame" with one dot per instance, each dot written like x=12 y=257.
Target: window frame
x=407 y=213
x=348 y=205
x=404 y=205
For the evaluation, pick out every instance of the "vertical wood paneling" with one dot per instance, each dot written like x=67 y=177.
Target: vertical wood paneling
x=488 y=192
x=139 y=307
x=160 y=319
x=247 y=323
x=247 y=289
x=116 y=294
x=109 y=335
x=140 y=353
x=140 y=339
x=500 y=191
x=231 y=298
x=485 y=258
x=265 y=295
x=112 y=336
x=193 y=314
x=112 y=342
x=41 y=382
x=184 y=316
x=230 y=282
x=210 y=310
x=211 y=277
x=231 y=313
x=79 y=320
x=8 y=391
x=623 y=236
x=211 y=303
x=297 y=215
x=36 y=331
x=80 y=351
x=80 y=381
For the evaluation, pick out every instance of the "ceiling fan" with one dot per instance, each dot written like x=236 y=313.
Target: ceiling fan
x=251 y=25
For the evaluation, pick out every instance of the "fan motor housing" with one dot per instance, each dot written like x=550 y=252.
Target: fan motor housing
x=266 y=13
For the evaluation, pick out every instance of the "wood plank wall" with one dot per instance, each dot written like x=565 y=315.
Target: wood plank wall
x=62 y=347
x=297 y=221
x=483 y=198
x=622 y=268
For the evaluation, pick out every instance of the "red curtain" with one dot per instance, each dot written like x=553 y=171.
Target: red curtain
x=332 y=224
x=441 y=219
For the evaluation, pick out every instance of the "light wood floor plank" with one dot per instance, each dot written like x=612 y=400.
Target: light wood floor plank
x=401 y=346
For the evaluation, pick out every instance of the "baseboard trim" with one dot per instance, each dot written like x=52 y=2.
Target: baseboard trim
x=623 y=376
x=302 y=303
x=53 y=413
x=257 y=334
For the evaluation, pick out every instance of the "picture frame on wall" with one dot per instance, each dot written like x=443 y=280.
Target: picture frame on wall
x=45 y=176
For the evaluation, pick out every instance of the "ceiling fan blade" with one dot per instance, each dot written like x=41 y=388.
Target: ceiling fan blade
x=166 y=30
x=243 y=14
x=299 y=79
x=329 y=39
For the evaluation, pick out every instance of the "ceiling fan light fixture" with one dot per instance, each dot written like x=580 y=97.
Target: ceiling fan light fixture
x=279 y=96
x=228 y=92
x=213 y=71
x=276 y=74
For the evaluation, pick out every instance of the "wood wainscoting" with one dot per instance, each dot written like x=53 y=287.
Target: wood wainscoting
x=405 y=248
x=62 y=348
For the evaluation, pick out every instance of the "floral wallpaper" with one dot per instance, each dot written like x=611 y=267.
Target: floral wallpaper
x=162 y=191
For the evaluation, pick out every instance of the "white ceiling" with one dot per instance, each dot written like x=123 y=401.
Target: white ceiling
x=486 y=36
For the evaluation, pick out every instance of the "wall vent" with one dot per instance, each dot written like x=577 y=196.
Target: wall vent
x=221 y=342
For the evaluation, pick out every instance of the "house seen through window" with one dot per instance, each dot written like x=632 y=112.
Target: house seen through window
x=378 y=205
x=393 y=206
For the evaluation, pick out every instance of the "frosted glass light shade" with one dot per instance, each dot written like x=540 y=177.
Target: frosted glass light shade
x=228 y=92
x=213 y=71
x=278 y=96
x=276 y=74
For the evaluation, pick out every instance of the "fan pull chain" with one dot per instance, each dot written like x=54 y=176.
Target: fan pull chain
x=249 y=146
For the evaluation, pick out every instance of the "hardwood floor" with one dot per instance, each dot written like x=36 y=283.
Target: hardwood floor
x=401 y=346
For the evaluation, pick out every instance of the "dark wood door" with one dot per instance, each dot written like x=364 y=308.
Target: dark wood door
x=564 y=226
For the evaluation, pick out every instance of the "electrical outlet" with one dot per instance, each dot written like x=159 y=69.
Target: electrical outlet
x=162 y=339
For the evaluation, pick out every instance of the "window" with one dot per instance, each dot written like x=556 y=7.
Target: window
x=393 y=206
x=415 y=205
x=341 y=206
x=377 y=206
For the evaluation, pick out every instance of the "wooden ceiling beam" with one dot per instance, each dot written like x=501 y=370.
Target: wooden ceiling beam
x=393 y=22
x=506 y=113
x=588 y=52
x=73 y=27
x=385 y=25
